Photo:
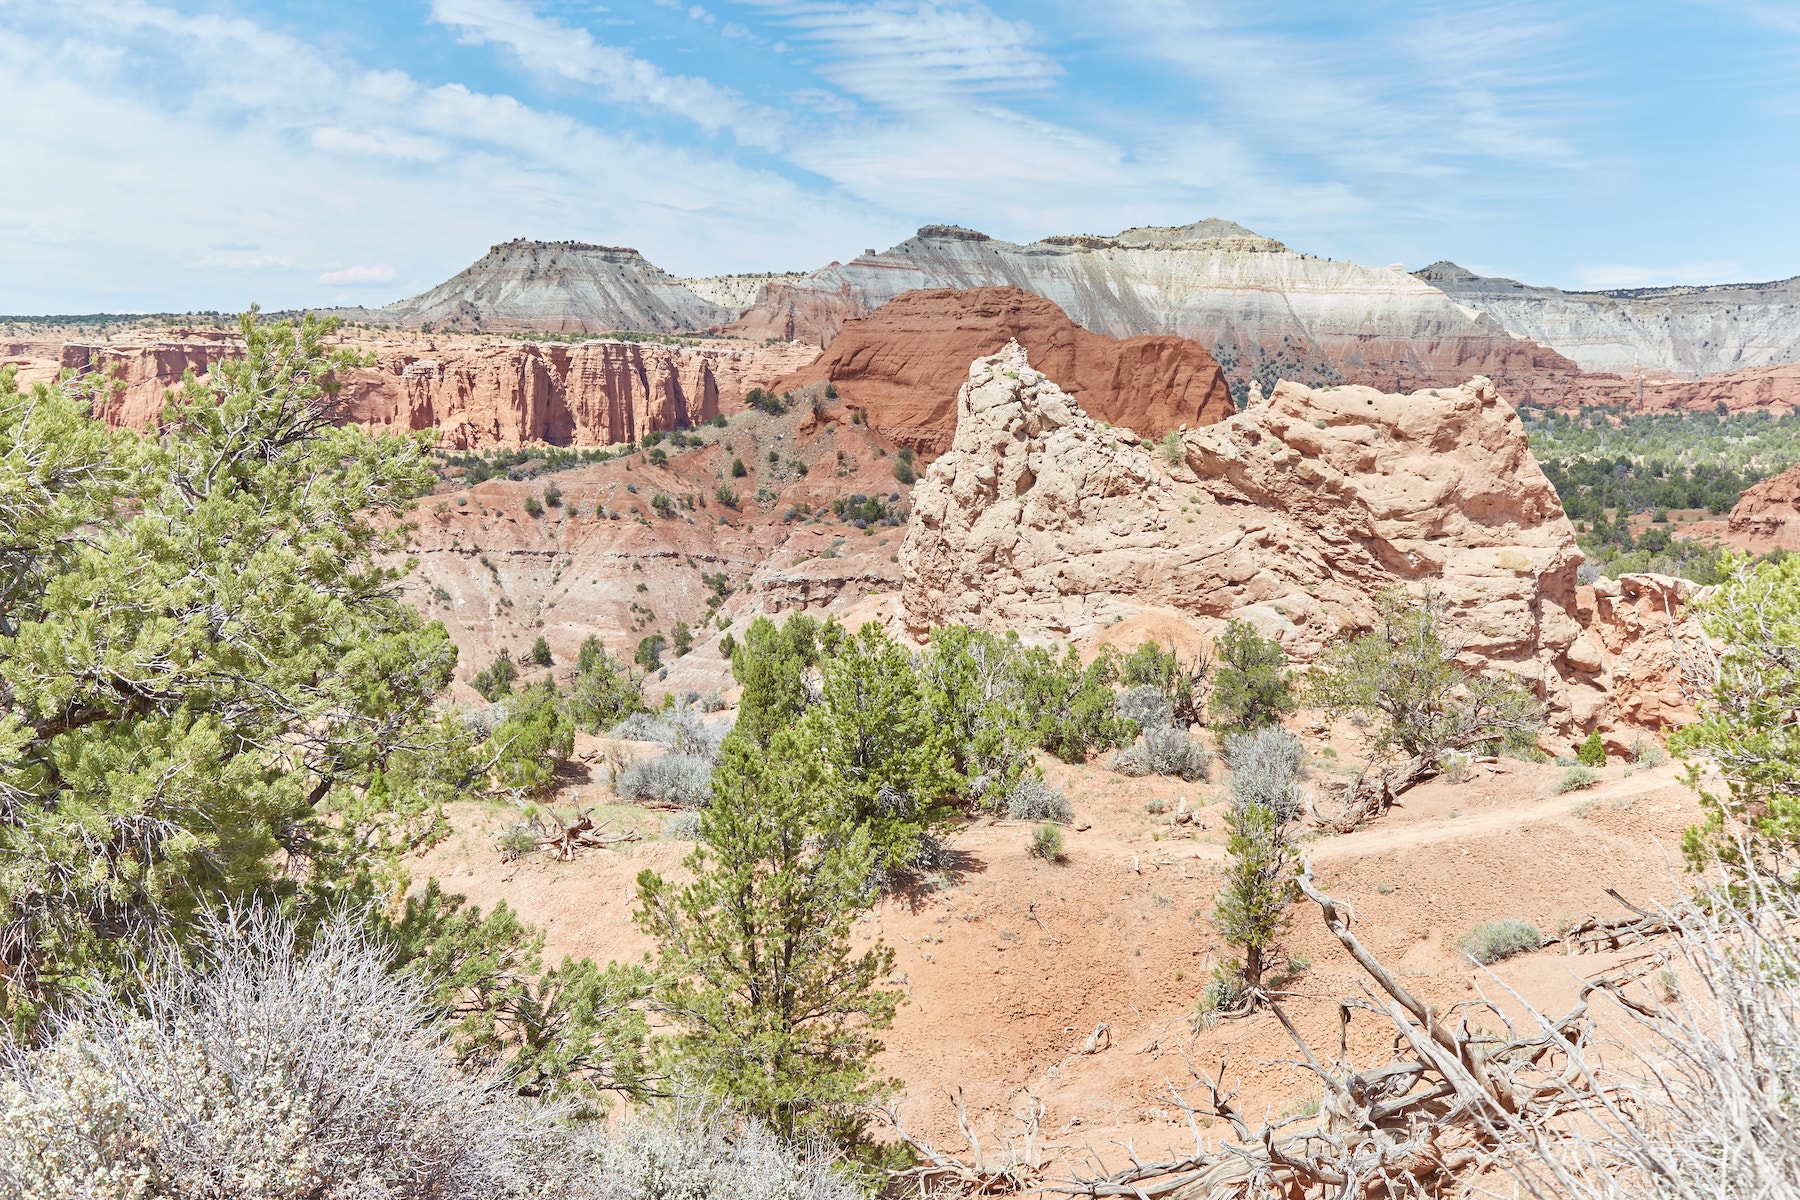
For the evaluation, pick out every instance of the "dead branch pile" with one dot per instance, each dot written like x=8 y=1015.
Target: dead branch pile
x=1591 y=935
x=563 y=836
x=1015 y=1169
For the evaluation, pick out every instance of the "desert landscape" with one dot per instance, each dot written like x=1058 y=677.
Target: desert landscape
x=1163 y=714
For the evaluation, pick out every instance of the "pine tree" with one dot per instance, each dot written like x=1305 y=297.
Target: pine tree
x=776 y=1012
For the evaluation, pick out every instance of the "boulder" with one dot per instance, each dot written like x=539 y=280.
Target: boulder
x=1767 y=516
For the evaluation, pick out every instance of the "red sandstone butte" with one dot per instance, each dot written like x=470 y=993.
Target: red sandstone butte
x=903 y=363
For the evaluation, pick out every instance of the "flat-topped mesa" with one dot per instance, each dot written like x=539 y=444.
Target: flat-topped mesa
x=1291 y=515
x=570 y=287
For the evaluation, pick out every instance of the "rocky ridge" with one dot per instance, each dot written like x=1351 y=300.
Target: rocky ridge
x=1291 y=516
x=1262 y=310
x=903 y=363
x=1687 y=331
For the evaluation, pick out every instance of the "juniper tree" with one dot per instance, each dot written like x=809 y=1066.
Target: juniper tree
x=209 y=687
x=1251 y=686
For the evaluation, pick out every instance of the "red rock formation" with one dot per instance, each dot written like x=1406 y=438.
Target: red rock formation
x=481 y=393
x=1776 y=389
x=903 y=364
x=147 y=370
x=1291 y=515
x=1767 y=516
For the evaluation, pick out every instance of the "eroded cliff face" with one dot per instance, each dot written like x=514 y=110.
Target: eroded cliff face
x=902 y=365
x=481 y=392
x=1262 y=310
x=1291 y=515
x=1767 y=516
x=1689 y=331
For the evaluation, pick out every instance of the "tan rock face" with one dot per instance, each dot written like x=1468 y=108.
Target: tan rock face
x=1640 y=629
x=481 y=392
x=1767 y=516
x=1292 y=516
x=904 y=362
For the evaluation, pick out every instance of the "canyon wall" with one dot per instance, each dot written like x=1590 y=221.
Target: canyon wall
x=1262 y=310
x=902 y=365
x=481 y=393
x=1687 y=331
x=1291 y=515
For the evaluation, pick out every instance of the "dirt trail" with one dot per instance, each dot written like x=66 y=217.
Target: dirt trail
x=1009 y=964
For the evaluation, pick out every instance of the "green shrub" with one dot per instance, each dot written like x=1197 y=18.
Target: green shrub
x=1252 y=686
x=497 y=680
x=657 y=457
x=1491 y=941
x=904 y=470
x=726 y=495
x=683 y=638
x=1646 y=753
x=553 y=496
x=540 y=652
x=738 y=469
x=534 y=506
x=649 y=651
x=1593 y=751
x=1046 y=843
x=1577 y=777
x=665 y=507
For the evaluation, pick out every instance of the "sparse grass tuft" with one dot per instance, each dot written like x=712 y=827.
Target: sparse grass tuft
x=1046 y=843
x=1491 y=941
x=1577 y=777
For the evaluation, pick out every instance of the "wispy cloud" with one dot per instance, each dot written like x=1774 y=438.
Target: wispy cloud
x=379 y=273
x=547 y=46
x=1605 y=276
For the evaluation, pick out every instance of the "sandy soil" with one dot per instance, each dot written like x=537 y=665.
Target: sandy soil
x=1009 y=964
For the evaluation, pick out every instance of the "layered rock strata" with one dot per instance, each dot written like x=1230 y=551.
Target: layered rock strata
x=1689 y=331
x=567 y=287
x=1291 y=515
x=902 y=365
x=1262 y=310
x=481 y=393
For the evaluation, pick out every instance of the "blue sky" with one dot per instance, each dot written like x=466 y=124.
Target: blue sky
x=172 y=154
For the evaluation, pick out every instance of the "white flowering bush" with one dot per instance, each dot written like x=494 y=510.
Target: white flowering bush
x=270 y=1070
x=264 y=1071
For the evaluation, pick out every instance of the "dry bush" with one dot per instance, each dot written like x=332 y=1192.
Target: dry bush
x=263 y=1071
x=1266 y=766
x=1491 y=941
x=682 y=780
x=1031 y=799
x=271 y=1071
x=1707 y=1104
x=1164 y=750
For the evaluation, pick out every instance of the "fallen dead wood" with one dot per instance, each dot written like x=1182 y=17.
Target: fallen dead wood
x=1016 y=1170
x=1591 y=935
x=1461 y=1091
x=562 y=836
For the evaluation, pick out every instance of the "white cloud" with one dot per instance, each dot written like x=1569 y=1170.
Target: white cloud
x=379 y=273
x=548 y=46
x=270 y=165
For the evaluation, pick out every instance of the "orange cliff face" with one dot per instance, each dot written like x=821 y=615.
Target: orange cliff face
x=903 y=363
x=479 y=392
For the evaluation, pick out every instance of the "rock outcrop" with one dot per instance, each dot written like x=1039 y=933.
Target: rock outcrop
x=1262 y=310
x=1291 y=515
x=1640 y=630
x=481 y=392
x=1689 y=331
x=1767 y=516
x=566 y=287
x=902 y=365
x=146 y=370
